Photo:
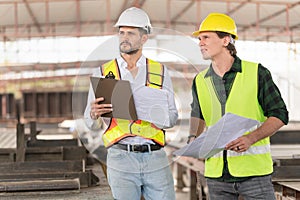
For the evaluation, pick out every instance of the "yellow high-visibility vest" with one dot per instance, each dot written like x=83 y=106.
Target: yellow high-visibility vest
x=242 y=100
x=121 y=128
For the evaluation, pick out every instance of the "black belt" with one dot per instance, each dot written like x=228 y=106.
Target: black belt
x=139 y=148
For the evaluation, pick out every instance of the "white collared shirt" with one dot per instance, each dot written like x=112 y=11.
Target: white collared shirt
x=137 y=81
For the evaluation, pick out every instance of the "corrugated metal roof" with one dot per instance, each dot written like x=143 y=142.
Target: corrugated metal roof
x=274 y=20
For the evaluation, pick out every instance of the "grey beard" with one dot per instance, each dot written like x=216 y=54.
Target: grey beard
x=134 y=51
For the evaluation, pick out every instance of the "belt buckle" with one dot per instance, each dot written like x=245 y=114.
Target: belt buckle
x=134 y=147
x=140 y=148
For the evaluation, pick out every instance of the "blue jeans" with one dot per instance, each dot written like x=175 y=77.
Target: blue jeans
x=252 y=189
x=131 y=175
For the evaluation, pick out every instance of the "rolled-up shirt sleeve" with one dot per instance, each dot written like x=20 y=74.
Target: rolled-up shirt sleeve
x=270 y=97
x=92 y=124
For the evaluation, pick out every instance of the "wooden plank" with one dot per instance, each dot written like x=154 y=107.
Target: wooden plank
x=55 y=153
x=7 y=150
x=74 y=153
x=33 y=131
x=38 y=175
x=291 y=184
x=193 y=185
x=178 y=170
x=285 y=137
x=20 y=143
x=7 y=155
x=288 y=189
x=42 y=156
x=286 y=172
x=52 y=143
x=287 y=162
x=201 y=185
x=41 y=166
x=87 y=178
x=41 y=185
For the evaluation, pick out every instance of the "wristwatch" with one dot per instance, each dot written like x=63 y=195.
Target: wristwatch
x=189 y=138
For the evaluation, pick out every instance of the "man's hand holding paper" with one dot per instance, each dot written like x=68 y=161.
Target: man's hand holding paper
x=240 y=144
x=214 y=140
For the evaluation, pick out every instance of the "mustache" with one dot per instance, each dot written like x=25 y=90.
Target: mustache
x=125 y=43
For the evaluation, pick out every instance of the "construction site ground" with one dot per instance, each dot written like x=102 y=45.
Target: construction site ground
x=99 y=192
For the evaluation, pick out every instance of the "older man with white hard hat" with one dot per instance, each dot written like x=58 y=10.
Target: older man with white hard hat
x=137 y=164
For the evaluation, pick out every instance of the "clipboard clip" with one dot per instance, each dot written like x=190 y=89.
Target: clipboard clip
x=110 y=75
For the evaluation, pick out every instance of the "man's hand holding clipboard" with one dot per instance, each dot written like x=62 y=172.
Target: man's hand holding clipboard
x=99 y=109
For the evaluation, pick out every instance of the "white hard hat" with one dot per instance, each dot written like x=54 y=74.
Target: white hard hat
x=134 y=17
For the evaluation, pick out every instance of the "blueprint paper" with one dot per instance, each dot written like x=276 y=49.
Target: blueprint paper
x=152 y=105
x=214 y=140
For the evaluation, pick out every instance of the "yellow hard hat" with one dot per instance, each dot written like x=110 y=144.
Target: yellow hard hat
x=218 y=22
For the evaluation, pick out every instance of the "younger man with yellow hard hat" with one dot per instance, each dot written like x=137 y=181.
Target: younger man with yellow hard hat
x=243 y=88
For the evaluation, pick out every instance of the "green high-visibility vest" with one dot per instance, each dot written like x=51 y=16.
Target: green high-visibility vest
x=242 y=100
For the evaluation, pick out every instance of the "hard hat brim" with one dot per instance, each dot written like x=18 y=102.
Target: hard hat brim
x=196 y=33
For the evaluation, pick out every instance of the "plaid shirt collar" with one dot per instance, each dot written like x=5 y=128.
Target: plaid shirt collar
x=236 y=67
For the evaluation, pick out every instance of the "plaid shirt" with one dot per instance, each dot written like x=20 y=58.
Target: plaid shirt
x=268 y=96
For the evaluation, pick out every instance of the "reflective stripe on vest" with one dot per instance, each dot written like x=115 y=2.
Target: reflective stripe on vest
x=155 y=72
x=121 y=128
x=242 y=101
x=252 y=150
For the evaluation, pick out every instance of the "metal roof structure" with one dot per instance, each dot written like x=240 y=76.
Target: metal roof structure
x=257 y=20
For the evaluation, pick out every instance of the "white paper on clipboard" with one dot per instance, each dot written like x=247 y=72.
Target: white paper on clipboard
x=152 y=105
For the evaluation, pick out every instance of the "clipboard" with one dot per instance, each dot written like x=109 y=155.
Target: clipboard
x=119 y=94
